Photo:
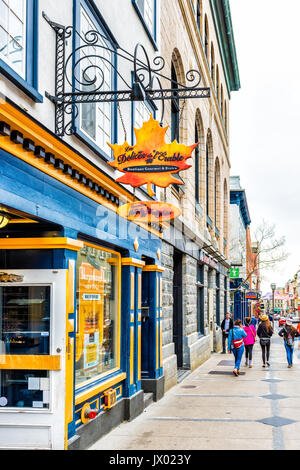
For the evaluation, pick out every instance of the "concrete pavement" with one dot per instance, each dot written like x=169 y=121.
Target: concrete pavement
x=213 y=410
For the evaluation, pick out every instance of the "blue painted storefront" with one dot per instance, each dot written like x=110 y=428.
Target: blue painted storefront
x=64 y=212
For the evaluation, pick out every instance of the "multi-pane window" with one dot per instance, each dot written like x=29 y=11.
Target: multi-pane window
x=197 y=168
x=141 y=114
x=95 y=119
x=13 y=34
x=146 y=8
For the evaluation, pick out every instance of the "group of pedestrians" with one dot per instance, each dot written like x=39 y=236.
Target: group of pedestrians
x=241 y=338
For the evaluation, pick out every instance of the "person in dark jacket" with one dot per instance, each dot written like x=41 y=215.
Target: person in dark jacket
x=289 y=333
x=264 y=332
x=226 y=326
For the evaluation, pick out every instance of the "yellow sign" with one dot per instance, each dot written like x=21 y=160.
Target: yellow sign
x=151 y=160
x=149 y=211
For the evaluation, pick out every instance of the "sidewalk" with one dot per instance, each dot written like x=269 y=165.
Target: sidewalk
x=213 y=410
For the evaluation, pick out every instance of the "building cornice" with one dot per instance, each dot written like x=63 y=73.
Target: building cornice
x=223 y=24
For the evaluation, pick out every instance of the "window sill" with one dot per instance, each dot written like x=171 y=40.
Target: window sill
x=96 y=389
x=149 y=34
x=28 y=89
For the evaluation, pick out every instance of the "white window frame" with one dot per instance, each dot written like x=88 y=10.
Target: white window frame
x=24 y=46
x=103 y=110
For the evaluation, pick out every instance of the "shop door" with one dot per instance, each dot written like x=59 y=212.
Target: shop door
x=211 y=317
x=177 y=309
x=32 y=361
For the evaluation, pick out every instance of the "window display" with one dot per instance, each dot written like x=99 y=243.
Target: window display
x=98 y=274
x=25 y=320
x=24 y=389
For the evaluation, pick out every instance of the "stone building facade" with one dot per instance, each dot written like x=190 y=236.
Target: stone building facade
x=197 y=35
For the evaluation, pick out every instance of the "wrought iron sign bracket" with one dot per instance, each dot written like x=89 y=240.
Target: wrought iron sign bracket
x=80 y=76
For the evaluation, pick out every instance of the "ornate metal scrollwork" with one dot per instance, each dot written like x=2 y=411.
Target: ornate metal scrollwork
x=82 y=72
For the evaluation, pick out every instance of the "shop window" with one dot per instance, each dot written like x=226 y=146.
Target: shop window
x=24 y=330
x=200 y=299
x=97 y=307
x=18 y=44
x=218 y=321
x=146 y=10
x=225 y=295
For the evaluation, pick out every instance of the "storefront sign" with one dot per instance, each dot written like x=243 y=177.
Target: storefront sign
x=149 y=211
x=151 y=160
x=234 y=273
x=208 y=260
x=252 y=295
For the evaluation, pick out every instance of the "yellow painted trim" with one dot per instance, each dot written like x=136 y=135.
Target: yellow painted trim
x=133 y=262
x=131 y=353
x=132 y=291
x=84 y=396
x=157 y=293
x=161 y=345
x=139 y=291
x=18 y=121
x=71 y=286
x=11 y=362
x=40 y=243
x=70 y=344
x=23 y=221
x=139 y=351
x=161 y=292
x=157 y=343
x=155 y=268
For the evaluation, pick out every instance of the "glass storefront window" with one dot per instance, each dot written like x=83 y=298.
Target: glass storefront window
x=25 y=320
x=24 y=389
x=97 y=308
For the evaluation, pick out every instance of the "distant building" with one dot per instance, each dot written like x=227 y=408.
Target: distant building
x=240 y=256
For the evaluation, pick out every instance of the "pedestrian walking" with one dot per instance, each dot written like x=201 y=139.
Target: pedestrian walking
x=226 y=326
x=249 y=341
x=289 y=333
x=264 y=332
x=236 y=344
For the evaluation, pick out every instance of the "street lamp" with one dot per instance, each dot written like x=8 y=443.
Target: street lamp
x=273 y=287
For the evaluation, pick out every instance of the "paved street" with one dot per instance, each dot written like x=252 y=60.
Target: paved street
x=211 y=409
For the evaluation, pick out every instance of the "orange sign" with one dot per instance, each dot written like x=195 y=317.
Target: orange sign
x=151 y=160
x=149 y=211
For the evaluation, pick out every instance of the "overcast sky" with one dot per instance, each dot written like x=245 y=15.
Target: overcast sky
x=265 y=120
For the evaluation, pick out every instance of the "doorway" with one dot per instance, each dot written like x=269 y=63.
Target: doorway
x=32 y=334
x=177 y=308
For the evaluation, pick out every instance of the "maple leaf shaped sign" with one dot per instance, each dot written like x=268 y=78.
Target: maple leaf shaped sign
x=151 y=160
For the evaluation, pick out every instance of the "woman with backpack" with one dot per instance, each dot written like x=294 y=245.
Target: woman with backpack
x=250 y=330
x=264 y=332
x=289 y=333
x=236 y=344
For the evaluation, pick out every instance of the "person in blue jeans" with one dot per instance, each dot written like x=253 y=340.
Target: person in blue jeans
x=236 y=344
x=289 y=333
